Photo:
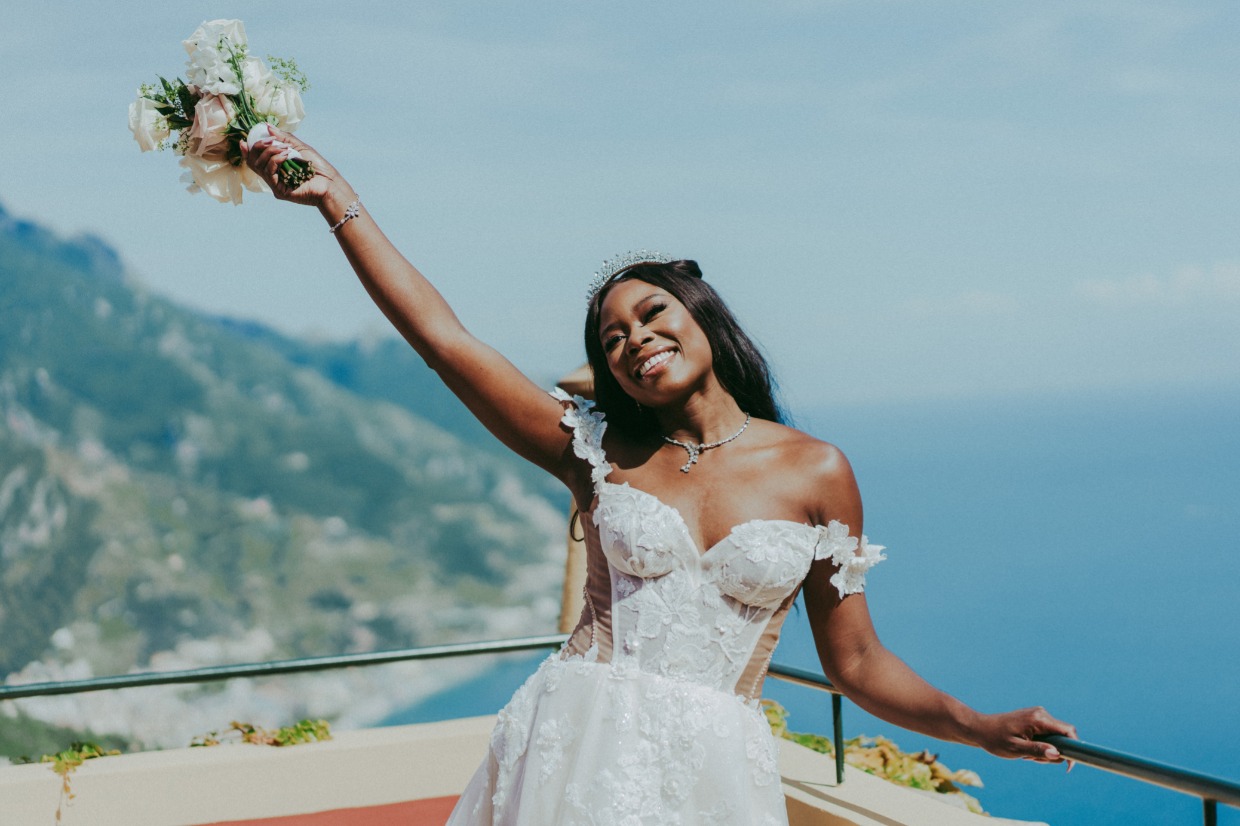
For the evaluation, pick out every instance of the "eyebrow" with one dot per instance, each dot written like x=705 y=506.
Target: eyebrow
x=636 y=304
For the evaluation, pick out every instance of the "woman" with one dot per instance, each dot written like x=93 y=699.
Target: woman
x=704 y=517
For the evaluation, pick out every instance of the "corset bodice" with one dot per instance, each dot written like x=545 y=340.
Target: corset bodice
x=660 y=604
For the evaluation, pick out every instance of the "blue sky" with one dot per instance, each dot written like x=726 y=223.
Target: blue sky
x=903 y=201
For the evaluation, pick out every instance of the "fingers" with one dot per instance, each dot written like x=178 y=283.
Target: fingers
x=1020 y=732
x=1046 y=753
x=264 y=157
x=267 y=154
x=1035 y=750
x=289 y=139
x=1044 y=723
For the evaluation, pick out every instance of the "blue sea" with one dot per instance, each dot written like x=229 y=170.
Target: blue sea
x=1078 y=553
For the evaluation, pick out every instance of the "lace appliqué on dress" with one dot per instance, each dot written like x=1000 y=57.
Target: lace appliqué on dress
x=634 y=530
x=587 y=744
x=588 y=426
x=853 y=557
x=768 y=564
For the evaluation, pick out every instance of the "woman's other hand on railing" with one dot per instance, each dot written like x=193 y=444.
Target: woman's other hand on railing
x=1013 y=733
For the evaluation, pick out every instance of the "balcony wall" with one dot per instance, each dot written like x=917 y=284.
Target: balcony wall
x=375 y=774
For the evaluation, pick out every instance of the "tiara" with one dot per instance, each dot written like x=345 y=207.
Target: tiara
x=614 y=266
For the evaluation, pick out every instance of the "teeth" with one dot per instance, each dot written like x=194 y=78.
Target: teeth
x=654 y=360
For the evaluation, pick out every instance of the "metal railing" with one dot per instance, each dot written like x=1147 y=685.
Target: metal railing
x=812 y=679
x=1211 y=790
x=268 y=669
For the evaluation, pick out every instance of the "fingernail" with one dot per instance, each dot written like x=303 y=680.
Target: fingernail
x=1052 y=753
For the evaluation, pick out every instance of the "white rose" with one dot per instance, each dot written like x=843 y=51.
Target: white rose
x=208 y=137
x=149 y=127
x=251 y=181
x=208 y=69
x=210 y=33
x=219 y=179
x=255 y=76
x=281 y=101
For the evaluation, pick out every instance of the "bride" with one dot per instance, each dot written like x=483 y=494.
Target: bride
x=704 y=518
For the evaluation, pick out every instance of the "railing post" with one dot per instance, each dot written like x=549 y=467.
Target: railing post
x=837 y=735
x=1209 y=811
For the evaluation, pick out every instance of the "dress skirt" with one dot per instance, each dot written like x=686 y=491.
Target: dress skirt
x=596 y=744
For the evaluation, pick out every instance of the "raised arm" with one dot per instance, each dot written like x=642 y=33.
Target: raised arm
x=880 y=682
x=511 y=406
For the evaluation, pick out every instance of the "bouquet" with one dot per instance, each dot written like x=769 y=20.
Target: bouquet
x=228 y=96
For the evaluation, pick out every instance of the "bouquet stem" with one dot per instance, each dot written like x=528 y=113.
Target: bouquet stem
x=293 y=172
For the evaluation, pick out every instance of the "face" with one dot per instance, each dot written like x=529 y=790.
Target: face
x=654 y=347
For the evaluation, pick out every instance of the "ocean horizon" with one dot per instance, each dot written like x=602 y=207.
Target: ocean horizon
x=1081 y=554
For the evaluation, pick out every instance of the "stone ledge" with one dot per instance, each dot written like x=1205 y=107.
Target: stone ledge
x=382 y=767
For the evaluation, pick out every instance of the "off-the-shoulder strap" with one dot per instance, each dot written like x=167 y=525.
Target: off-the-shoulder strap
x=853 y=557
x=588 y=426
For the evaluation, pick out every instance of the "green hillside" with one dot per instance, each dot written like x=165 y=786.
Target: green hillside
x=168 y=477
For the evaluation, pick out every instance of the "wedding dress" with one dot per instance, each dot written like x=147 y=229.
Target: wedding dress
x=649 y=714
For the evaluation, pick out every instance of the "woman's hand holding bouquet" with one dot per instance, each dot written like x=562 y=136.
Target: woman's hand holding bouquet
x=265 y=158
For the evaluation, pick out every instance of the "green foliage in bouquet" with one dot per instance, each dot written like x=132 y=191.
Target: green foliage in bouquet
x=174 y=101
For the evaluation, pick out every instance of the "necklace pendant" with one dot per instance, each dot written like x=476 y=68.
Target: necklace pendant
x=693 y=450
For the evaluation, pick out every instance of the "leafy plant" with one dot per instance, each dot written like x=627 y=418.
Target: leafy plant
x=64 y=763
x=881 y=757
x=305 y=731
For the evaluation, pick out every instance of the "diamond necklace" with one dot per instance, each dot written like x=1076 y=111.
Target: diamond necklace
x=695 y=450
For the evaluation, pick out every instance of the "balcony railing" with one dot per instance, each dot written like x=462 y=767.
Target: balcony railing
x=1211 y=790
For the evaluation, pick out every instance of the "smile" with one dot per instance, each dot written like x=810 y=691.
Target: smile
x=653 y=362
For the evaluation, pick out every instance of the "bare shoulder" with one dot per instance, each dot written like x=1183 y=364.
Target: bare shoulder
x=812 y=460
x=823 y=475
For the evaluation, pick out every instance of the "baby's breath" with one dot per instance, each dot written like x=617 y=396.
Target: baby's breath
x=286 y=69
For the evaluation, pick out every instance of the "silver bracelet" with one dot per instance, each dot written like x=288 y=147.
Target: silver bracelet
x=351 y=211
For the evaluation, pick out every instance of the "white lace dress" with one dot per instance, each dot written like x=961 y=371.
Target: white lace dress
x=649 y=714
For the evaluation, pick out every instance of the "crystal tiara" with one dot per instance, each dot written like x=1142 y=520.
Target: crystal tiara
x=614 y=266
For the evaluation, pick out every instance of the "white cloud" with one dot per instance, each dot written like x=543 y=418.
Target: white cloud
x=1170 y=332
x=1189 y=288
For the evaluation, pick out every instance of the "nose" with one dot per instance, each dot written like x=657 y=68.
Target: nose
x=638 y=338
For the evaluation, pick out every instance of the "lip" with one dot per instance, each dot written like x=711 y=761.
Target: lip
x=656 y=368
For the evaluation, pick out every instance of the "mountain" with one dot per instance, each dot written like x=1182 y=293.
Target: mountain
x=384 y=368
x=182 y=489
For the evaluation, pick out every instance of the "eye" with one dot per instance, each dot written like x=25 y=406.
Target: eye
x=653 y=311
x=611 y=341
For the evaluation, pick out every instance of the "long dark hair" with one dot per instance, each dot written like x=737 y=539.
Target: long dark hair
x=738 y=364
